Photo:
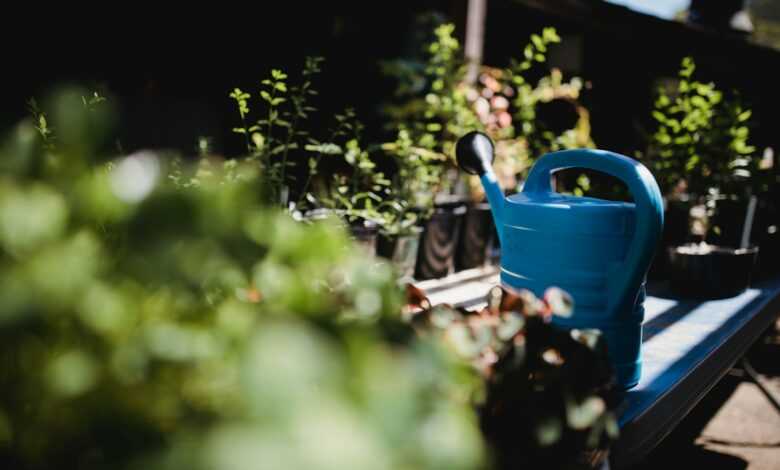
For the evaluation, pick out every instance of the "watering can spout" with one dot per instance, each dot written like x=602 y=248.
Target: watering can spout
x=474 y=152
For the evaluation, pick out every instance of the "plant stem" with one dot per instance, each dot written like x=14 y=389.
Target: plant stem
x=291 y=131
x=268 y=142
x=246 y=133
x=308 y=177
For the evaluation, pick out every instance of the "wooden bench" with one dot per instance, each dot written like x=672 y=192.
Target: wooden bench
x=687 y=347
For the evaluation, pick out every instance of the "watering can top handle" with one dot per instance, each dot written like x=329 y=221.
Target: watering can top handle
x=647 y=198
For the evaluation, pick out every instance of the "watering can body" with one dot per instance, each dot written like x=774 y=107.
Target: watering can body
x=596 y=250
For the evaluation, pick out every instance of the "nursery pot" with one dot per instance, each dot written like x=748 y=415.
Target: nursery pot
x=707 y=271
x=676 y=222
x=439 y=239
x=401 y=250
x=365 y=233
x=676 y=232
x=767 y=236
x=476 y=236
x=729 y=218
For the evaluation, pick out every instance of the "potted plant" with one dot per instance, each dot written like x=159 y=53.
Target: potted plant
x=710 y=173
x=291 y=156
x=356 y=190
x=275 y=140
x=405 y=208
x=545 y=396
x=443 y=106
x=426 y=122
x=417 y=184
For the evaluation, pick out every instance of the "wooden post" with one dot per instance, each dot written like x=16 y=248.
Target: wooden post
x=475 y=38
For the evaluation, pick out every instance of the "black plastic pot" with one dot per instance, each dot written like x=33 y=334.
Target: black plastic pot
x=439 y=239
x=362 y=231
x=401 y=250
x=717 y=272
x=476 y=237
x=676 y=232
x=766 y=234
x=729 y=218
x=494 y=248
x=365 y=233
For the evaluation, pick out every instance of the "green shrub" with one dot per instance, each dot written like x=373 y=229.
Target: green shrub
x=701 y=141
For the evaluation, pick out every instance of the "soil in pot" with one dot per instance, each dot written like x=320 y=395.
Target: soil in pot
x=401 y=250
x=439 y=239
x=709 y=271
x=475 y=238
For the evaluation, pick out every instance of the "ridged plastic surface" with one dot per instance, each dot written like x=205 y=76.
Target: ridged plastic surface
x=598 y=251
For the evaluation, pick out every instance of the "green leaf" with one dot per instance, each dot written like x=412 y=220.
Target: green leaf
x=325 y=148
x=699 y=101
x=550 y=35
x=277 y=74
x=683 y=139
x=537 y=41
x=687 y=67
x=258 y=140
x=549 y=431
x=692 y=162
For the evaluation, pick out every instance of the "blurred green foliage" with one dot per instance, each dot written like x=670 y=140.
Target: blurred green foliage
x=162 y=316
x=549 y=397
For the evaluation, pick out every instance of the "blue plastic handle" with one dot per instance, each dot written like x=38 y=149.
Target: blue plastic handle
x=624 y=279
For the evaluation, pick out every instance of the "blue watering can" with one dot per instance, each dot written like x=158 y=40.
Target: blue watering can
x=596 y=250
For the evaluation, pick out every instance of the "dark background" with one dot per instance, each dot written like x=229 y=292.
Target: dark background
x=171 y=71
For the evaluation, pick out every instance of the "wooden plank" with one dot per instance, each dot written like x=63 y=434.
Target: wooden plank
x=687 y=347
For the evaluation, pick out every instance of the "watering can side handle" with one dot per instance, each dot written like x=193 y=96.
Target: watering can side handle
x=649 y=210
